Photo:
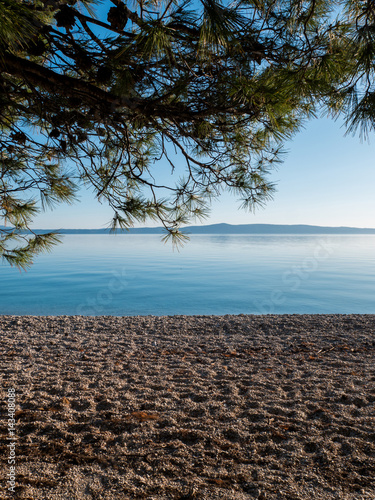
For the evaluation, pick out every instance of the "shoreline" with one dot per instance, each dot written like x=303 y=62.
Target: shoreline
x=198 y=407
x=177 y=316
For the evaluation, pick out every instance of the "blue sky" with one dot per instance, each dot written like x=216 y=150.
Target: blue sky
x=326 y=179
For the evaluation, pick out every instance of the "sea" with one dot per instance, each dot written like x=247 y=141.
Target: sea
x=138 y=274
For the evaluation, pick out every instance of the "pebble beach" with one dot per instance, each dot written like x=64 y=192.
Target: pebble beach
x=188 y=407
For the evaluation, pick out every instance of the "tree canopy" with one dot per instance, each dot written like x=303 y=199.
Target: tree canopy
x=102 y=94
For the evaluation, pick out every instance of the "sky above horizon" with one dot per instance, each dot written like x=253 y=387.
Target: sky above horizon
x=327 y=178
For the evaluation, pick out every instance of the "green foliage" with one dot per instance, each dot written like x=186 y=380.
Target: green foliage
x=103 y=95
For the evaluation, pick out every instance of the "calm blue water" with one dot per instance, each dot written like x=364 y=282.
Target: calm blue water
x=138 y=275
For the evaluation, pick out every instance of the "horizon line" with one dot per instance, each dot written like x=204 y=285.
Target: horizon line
x=204 y=226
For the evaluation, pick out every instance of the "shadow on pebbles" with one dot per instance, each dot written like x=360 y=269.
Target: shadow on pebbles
x=202 y=407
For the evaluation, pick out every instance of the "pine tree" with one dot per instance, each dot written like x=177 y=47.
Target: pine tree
x=100 y=95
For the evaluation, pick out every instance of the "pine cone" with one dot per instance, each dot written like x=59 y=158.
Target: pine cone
x=19 y=137
x=117 y=17
x=54 y=134
x=65 y=17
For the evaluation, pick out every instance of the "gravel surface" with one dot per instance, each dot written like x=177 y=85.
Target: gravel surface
x=188 y=407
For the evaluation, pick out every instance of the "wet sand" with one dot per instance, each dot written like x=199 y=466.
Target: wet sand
x=189 y=407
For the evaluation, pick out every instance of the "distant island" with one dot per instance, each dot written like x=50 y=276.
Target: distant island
x=229 y=229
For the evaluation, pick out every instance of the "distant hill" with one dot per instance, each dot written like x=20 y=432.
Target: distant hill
x=274 y=229
x=231 y=229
